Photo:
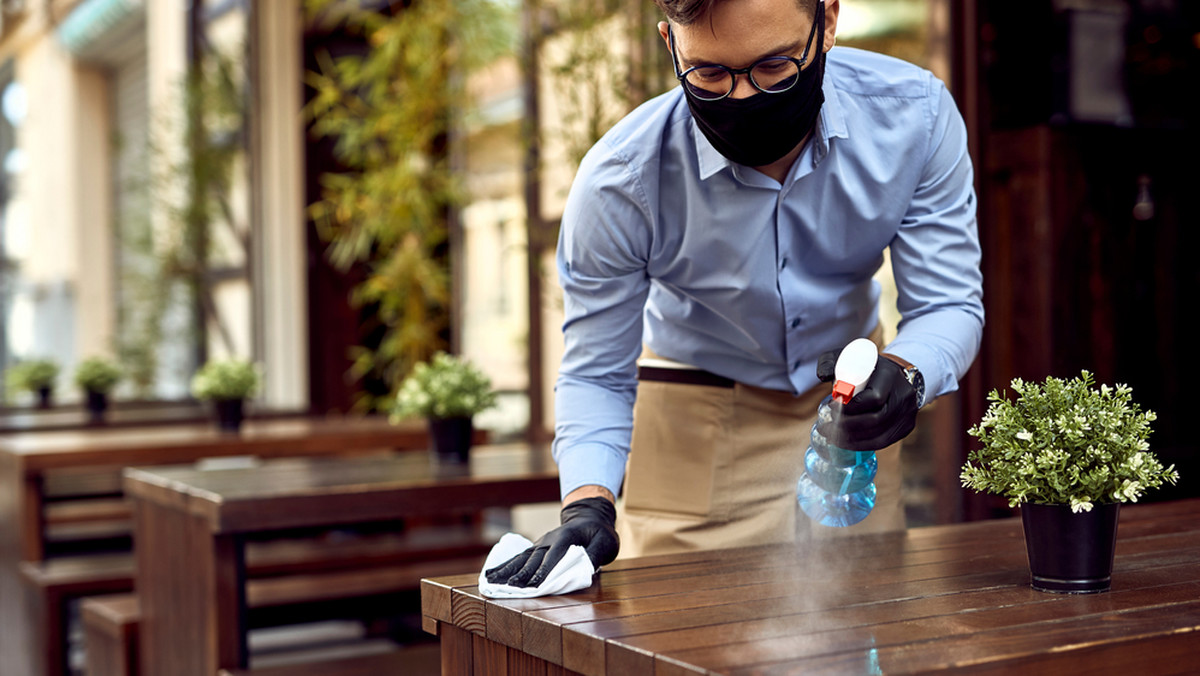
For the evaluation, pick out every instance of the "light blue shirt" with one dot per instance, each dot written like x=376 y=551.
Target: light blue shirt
x=710 y=263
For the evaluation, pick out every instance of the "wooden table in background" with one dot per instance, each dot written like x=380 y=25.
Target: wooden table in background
x=937 y=599
x=27 y=459
x=191 y=527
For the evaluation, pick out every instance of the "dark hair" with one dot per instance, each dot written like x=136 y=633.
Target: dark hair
x=685 y=12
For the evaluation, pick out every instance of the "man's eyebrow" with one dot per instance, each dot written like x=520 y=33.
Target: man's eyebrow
x=785 y=50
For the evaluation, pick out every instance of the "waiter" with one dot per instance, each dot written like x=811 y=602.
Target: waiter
x=717 y=250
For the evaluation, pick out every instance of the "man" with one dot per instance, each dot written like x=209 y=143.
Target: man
x=727 y=232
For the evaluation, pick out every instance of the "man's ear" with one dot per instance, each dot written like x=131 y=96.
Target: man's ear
x=831 y=16
x=662 y=30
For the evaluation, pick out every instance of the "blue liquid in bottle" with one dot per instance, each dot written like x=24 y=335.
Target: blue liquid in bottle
x=837 y=487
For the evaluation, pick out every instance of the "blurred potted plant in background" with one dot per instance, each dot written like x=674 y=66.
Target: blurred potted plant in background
x=227 y=383
x=37 y=376
x=1068 y=453
x=97 y=376
x=448 y=392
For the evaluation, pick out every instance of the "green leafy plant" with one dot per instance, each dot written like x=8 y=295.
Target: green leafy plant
x=226 y=379
x=391 y=113
x=445 y=387
x=1065 y=442
x=97 y=374
x=32 y=375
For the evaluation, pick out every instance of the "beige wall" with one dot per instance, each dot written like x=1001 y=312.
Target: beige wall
x=282 y=275
x=59 y=227
x=92 y=207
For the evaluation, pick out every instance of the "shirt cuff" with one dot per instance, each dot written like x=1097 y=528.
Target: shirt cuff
x=938 y=379
x=590 y=465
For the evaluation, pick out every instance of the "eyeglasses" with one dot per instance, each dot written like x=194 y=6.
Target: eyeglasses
x=769 y=75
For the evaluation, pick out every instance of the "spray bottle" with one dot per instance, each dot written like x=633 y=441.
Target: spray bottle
x=838 y=485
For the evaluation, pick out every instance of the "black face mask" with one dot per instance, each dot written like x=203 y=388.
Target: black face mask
x=760 y=129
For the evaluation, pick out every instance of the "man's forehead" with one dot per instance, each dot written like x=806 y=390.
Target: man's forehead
x=689 y=12
x=732 y=38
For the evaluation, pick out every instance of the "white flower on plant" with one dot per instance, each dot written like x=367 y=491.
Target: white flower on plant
x=1129 y=490
x=1025 y=435
x=1080 y=505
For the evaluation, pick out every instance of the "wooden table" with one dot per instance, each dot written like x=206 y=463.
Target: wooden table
x=943 y=598
x=26 y=460
x=191 y=527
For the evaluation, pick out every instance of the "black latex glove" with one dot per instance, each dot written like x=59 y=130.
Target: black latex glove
x=881 y=413
x=590 y=523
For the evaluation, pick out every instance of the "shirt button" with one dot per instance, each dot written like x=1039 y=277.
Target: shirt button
x=783 y=263
x=795 y=322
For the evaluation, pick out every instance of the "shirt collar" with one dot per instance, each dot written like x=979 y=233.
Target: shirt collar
x=830 y=123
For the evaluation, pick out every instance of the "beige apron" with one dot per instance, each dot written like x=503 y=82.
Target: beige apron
x=714 y=467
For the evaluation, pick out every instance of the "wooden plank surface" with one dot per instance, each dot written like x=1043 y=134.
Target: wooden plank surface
x=944 y=598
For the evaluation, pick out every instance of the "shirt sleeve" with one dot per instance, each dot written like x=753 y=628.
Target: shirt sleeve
x=601 y=262
x=936 y=258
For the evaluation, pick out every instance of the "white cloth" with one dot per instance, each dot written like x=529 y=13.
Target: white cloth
x=572 y=573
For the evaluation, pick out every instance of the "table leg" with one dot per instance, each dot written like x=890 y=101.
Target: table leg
x=33 y=520
x=191 y=584
x=465 y=653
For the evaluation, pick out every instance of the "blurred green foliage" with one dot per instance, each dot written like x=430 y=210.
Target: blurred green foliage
x=392 y=113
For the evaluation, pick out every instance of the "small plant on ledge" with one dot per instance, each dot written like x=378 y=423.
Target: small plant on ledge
x=37 y=376
x=1068 y=453
x=97 y=376
x=448 y=392
x=227 y=383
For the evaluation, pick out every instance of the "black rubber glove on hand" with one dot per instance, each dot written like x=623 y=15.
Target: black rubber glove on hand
x=590 y=523
x=883 y=412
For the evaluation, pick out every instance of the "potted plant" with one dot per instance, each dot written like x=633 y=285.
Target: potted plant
x=448 y=392
x=1068 y=453
x=37 y=376
x=97 y=376
x=227 y=383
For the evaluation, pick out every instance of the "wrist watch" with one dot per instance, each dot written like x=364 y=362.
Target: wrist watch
x=914 y=377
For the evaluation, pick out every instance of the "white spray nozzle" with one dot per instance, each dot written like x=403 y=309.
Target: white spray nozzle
x=854 y=366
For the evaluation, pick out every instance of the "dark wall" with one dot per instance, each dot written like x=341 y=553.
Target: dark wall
x=336 y=327
x=1088 y=148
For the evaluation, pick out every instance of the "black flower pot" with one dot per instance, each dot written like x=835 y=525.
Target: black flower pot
x=451 y=438
x=230 y=413
x=1070 y=552
x=97 y=404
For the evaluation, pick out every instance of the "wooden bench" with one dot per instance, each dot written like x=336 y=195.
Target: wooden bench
x=87 y=525
x=110 y=633
x=338 y=574
x=51 y=585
